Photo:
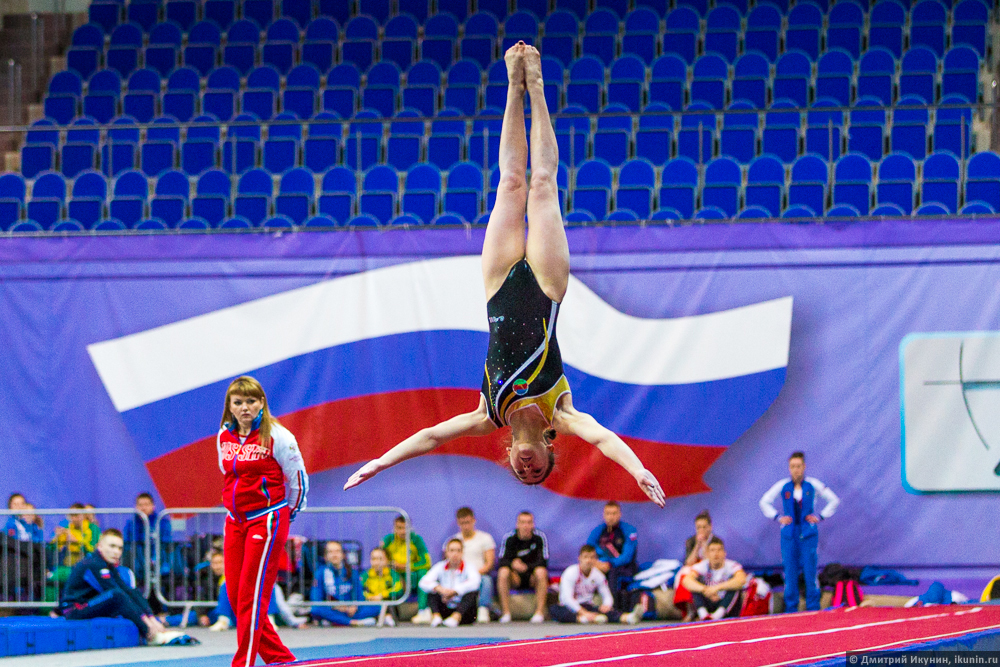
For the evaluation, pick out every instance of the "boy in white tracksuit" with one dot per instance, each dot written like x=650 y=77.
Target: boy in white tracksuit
x=452 y=589
x=577 y=587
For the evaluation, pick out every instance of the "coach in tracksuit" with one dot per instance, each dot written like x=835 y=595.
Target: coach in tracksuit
x=257 y=456
x=799 y=531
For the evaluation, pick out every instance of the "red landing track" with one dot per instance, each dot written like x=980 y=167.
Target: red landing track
x=763 y=640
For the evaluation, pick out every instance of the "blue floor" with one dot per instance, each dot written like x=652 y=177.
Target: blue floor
x=372 y=647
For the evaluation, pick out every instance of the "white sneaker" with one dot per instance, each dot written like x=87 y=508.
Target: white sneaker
x=583 y=620
x=537 y=618
x=630 y=619
x=451 y=622
x=719 y=613
x=483 y=616
x=423 y=617
x=365 y=622
x=274 y=621
x=220 y=625
x=436 y=621
x=600 y=619
x=389 y=621
x=505 y=618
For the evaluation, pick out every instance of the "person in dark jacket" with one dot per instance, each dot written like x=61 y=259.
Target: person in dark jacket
x=616 y=543
x=95 y=589
x=524 y=560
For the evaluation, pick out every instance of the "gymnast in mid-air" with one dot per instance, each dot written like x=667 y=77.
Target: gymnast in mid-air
x=525 y=280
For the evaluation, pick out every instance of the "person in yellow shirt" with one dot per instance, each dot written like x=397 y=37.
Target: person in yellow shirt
x=420 y=563
x=382 y=583
x=76 y=537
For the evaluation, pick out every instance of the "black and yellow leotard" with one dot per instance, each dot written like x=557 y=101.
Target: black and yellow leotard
x=523 y=364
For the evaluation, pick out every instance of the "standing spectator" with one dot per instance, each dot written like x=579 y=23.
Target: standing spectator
x=799 y=530
x=716 y=583
x=694 y=552
x=95 y=589
x=479 y=553
x=337 y=580
x=452 y=588
x=616 y=543
x=419 y=558
x=524 y=559
x=76 y=537
x=577 y=587
x=25 y=527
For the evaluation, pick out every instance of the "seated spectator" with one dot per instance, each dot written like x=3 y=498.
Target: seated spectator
x=479 y=553
x=76 y=537
x=452 y=589
x=96 y=589
x=419 y=558
x=716 y=584
x=694 y=552
x=380 y=582
x=524 y=559
x=26 y=527
x=616 y=542
x=336 y=580
x=577 y=587
x=135 y=529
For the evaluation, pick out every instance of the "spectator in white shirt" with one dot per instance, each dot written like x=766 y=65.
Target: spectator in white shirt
x=479 y=553
x=577 y=587
x=716 y=583
x=452 y=589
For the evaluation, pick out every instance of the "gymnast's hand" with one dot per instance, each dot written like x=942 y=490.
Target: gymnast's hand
x=366 y=472
x=652 y=488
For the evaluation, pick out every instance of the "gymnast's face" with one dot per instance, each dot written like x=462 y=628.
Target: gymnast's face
x=529 y=460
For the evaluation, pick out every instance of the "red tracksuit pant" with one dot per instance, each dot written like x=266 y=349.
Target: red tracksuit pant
x=252 y=553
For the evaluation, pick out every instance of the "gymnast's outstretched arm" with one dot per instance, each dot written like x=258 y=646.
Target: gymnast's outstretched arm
x=426 y=440
x=571 y=421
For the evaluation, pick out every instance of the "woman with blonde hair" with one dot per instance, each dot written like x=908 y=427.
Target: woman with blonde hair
x=257 y=456
x=525 y=274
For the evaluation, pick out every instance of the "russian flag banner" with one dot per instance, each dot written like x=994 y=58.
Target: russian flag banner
x=354 y=364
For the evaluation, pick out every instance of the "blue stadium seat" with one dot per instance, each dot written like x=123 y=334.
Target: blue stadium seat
x=580 y=216
x=792 y=77
x=808 y=185
x=586 y=83
x=301 y=90
x=561 y=32
x=203 y=41
x=301 y=12
x=180 y=101
x=741 y=6
x=221 y=12
x=679 y=185
x=763 y=31
x=219 y=98
x=159 y=152
x=710 y=213
x=211 y=201
x=281 y=149
x=164 y=44
x=666 y=213
x=805 y=22
x=85 y=60
x=199 y=150
x=843 y=211
x=440 y=37
x=103 y=92
x=121 y=150
x=658 y=6
x=953 y=126
x=709 y=83
x=600 y=35
x=143 y=14
x=941 y=176
x=918 y=73
x=171 y=199
x=519 y=26
x=369 y=134
x=619 y=7
x=683 y=33
x=622 y=215
x=62 y=103
x=654 y=138
x=320 y=43
x=552 y=73
x=928 y=21
x=877 y=73
x=341 y=93
x=481 y=30
x=239 y=152
x=846 y=20
x=12 y=196
x=961 y=73
x=282 y=222
x=48 y=198
x=339 y=191
x=462 y=92
x=336 y=9
x=90 y=191
x=723 y=182
x=403 y=147
x=496 y=85
x=128 y=204
x=487 y=151
x=422 y=192
x=38 y=152
x=260 y=97
x=800 y=212
x=141 y=100
x=981 y=182
x=422 y=83
x=537 y=7
x=464 y=191
x=105 y=14
x=578 y=7
x=282 y=46
x=79 y=153
x=636 y=184
x=261 y=12
x=738 y=138
x=242 y=40
x=753 y=213
x=852 y=182
x=444 y=145
x=593 y=188
x=628 y=76
x=824 y=125
x=295 y=195
x=696 y=138
x=834 y=73
x=382 y=89
x=572 y=135
x=909 y=131
x=379 y=193
x=614 y=135
x=193 y=223
x=780 y=136
x=722 y=36
x=123 y=51
x=868 y=128
x=253 y=196
x=766 y=184
x=182 y=12
x=933 y=208
x=978 y=208
x=886 y=23
x=751 y=76
x=668 y=81
x=897 y=177
x=641 y=36
x=358 y=47
x=970 y=19
x=321 y=149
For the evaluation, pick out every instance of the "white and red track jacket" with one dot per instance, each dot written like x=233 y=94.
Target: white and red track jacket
x=254 y=478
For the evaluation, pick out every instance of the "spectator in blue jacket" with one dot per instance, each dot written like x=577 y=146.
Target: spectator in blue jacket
x=25 y=527
x=336 y=580
x=616 y=542
x=135 y=530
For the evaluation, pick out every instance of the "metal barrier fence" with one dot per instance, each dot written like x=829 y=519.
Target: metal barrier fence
x=38 y=548
x=185 y=575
